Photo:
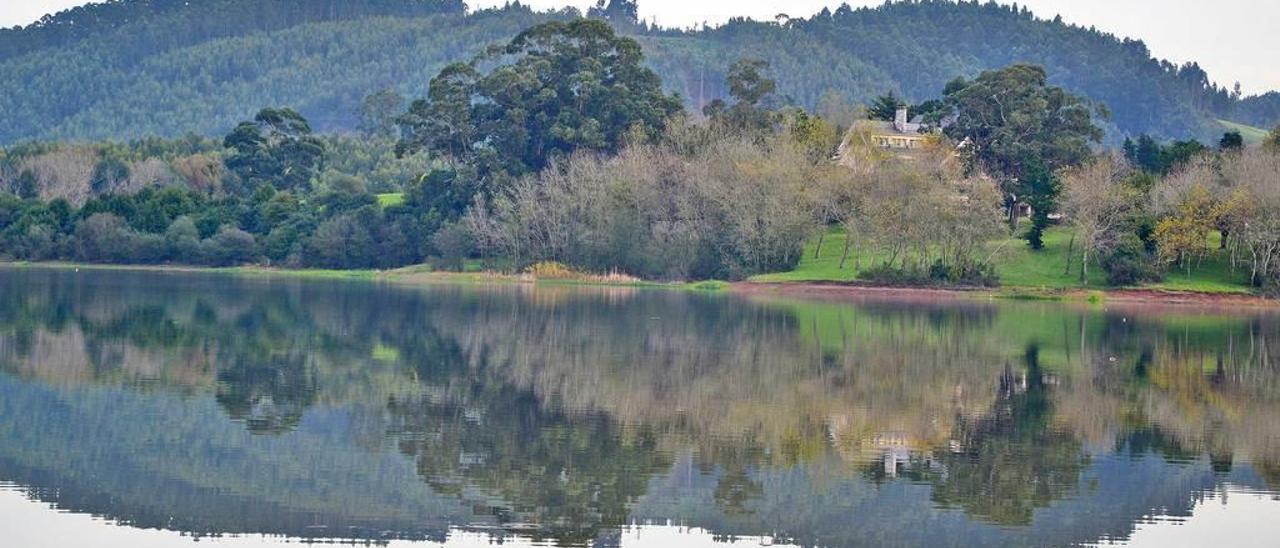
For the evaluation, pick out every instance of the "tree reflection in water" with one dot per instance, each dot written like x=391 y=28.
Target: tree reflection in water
x=564 y=414
x=1013 y=460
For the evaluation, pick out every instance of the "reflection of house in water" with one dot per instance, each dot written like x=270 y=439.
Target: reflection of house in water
x=1018 y=382
x=896 y=448
x=892 y=449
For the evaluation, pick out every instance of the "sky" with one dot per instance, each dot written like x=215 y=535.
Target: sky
x=1234 y=40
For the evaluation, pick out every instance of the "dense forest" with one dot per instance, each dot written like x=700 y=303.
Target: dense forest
x=140 y=68
x=164 y=24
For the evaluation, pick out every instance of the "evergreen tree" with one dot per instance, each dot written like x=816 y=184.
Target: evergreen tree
x=750 y=89
x=1023 y=131
x=885 y=107
x=378 y=113
x=619 y=12
x=1231 y=140
x=567 y=86
x=277 y=149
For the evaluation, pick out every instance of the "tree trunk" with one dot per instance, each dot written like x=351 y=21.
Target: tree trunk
x=817 y=253
x=1084 y=267
x=1070 y=248
x=848 y=243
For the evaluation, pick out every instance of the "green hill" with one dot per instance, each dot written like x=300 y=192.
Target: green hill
x=132 y=68
x=1252 y=135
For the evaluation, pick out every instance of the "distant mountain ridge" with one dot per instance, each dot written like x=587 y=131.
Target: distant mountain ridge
x=133 y=68
x=179 y=22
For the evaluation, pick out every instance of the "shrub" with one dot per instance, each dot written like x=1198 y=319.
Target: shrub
x=1128 y=263
x=148 y=248
x=938 y=274
x=282 y=242
x=103 y=237
x=551 y=270
x=344 y=241
x=230 y=246
x=39 y=242
x=453 y=245
x=182 y=241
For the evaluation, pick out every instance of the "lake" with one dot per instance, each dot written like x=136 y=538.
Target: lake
x=160 y=409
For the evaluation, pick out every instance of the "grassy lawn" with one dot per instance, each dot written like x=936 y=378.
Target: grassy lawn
x=1213 y=275
x=1018 y=266
x=391 y=199
x=1252 y=135
x=825 y=267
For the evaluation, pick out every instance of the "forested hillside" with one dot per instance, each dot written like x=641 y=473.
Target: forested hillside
x=152 y=25
x=133 y=68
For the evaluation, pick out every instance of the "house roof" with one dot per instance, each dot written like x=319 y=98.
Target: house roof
x=891 y=129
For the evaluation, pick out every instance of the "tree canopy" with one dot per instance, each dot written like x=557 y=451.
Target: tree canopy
x=1015 y=126
x=1153 y=157
x=1012 y=120
x=618 y=12
x=378 y=113
x=751 y=89
x=885 y=107
x=556 y=88
x=1231 y=140
x=276 y=148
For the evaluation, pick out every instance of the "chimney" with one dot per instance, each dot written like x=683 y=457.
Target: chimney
x=900 y=120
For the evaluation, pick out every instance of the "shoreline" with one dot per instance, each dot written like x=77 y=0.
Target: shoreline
x=420 y=275
x=410 y=275
x=1123 y=296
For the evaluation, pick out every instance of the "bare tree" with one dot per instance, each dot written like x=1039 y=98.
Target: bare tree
x=1097 y=202
x=201 y=172
x=707 y=206
x=1238 y=193
x=149 y=172
x=66 y=172
x=1252 y=211
x=915 y=214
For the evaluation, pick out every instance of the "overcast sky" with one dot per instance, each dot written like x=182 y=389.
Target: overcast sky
x=1234 y=40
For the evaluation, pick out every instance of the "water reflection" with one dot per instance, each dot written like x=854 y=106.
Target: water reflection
x=219 y=406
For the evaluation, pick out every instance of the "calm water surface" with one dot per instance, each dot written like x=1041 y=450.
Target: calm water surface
x=148 y=409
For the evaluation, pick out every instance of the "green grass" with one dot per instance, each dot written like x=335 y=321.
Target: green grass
x=1252 y=135
x=1024 y=272
x=1212 y=275
x=824 y=267
x=1018 y=265
x=391 y=199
